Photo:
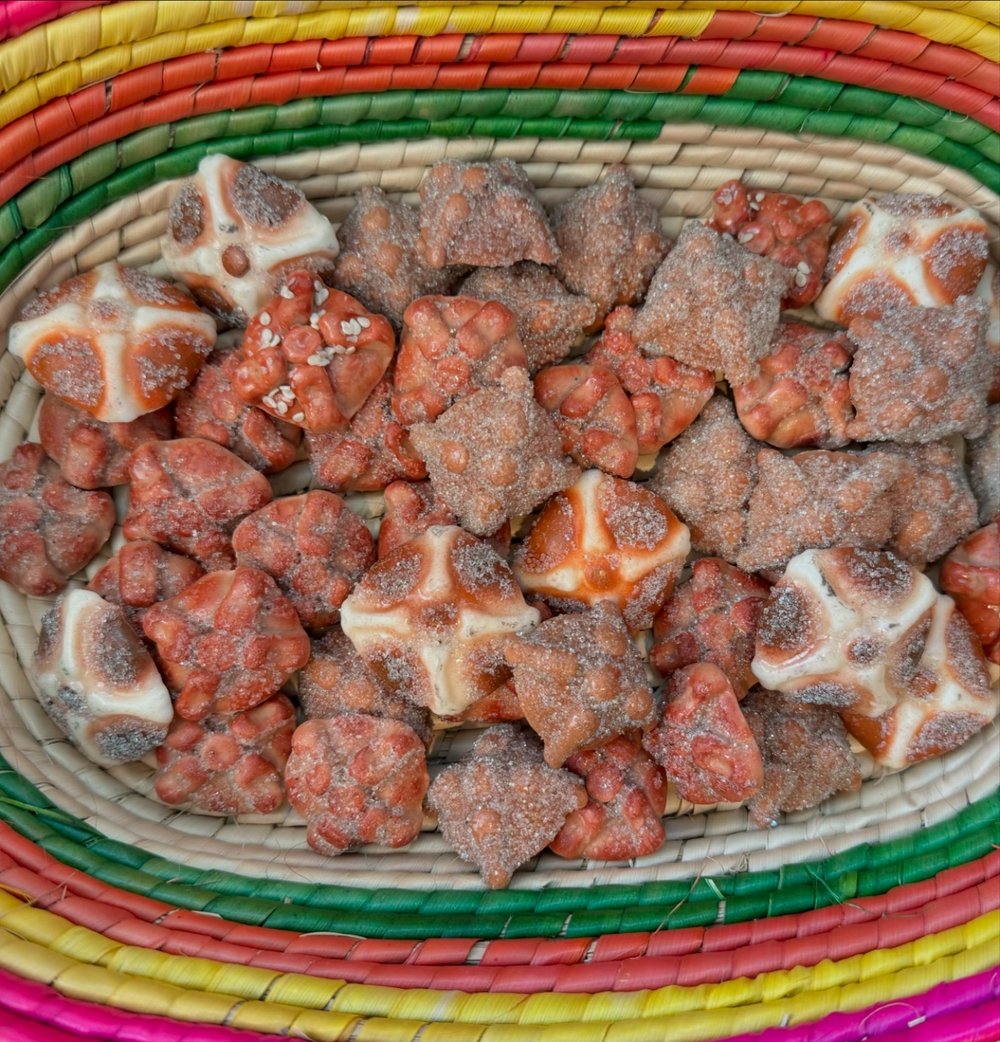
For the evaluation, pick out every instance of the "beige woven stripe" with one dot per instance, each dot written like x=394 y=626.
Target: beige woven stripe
x=678 y=172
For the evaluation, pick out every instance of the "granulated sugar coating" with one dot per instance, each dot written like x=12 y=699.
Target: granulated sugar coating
x=188 y=495
x=450 y=347
x=801 y=396
x=580 y=681
x=593 y=414
x=610 y=241
x=920 y=374
x=140 y=575
x=228 y=764
x=702 y=740
x=227 y=642
x=712 y=618
x=357 y=779
x=502 y=805
x=484 y=214
x=336 y=680
x=806 y=752
x=933 y=506
x=49 y=530
x=381 y=262
x=604 y=539
x=371 y=453
x=982 y=456
x=712 y=304
x=666 y=396
x=494 y=455
x=706 y=475
x=550 y=320
x=313 y=547
x=92 y=454
x=817 y=499
x=211 y=409
x=626 y=796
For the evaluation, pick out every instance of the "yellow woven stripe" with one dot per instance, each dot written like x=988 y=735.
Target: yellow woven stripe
x=90 y=45
x=80 y=962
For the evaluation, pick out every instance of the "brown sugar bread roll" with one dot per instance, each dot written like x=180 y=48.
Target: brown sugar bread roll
x=707 y=475
x=604 y=539
x=484 y=214
x=920 y=374
x=806 y=755
x=610 y=241
x=234 y=231
x=312 y=355
x=116 y=342
x=494 y=455
x=381 y=261
x=971 y=575
x=98 y=682
x=502 y=804
x=49 y=530
x=313 y=547
x=580 y=681
x=92 y=454
x=430 y=619
x=902 y=249
x=712 y=304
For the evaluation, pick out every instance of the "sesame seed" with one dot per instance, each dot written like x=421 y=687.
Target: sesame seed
x=350 y=327
x=745 y=236
x=363 y=322
x=758 y=197
x=286 y=293
x=801 y=278
x=281 y=407
x=265 y=318
x=803 y=267
x=318 y=360
x=298 y=417
x=287 y=392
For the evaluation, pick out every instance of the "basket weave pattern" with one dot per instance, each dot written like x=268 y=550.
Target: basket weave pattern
x=873 y=915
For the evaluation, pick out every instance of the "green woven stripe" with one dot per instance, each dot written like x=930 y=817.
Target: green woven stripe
x=75 y=191
x=862 y=870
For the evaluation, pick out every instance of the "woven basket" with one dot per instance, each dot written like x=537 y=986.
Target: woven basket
x=872 y=916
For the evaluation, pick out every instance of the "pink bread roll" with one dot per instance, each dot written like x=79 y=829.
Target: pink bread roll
x=117 y=342
x=97 y=680
x=234 y=231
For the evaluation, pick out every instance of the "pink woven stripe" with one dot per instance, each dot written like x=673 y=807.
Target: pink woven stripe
x=43 y=1015
x=965 y=1010
x=18 y=16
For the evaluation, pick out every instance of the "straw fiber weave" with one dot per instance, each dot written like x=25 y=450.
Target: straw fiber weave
x=874 y=916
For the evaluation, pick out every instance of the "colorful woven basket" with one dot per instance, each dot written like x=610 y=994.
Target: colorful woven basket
x=876 y=916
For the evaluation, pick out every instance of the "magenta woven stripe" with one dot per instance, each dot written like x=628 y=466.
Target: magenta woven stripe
x=41 y=1014
x=965 y=1010
x=18 y=16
